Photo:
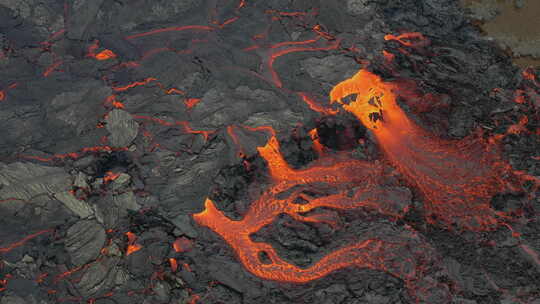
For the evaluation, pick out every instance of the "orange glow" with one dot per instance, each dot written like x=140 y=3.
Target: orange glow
x=171 y=29
x=51 y=68
x=131 y=237
x=230 y=131
x=519 y=127
x=176 y=245
x=4 y=282
x=187 y=267
x=132 y=246
x=520 y=97
x=188 y=129
x=70 y=272
x=228 y=21
x=317 y=146
x=279 y=50
x=529 y=75
x=286 y=14
x=194 y=299
x=338 y=172
x=191 y=102
x=110 y=176
x=174 y=91
x=430 y=163
x=174 y=264
x=105 y=54
x=56 y=35
x=23 y=241
x=456 y=179
x=322 y=33
x=4 y=92
x=75 y=155
x=111 y=101
x=316 y=106
x=134 y=84
x=414 y=39
x=118 y=105
x=41 y=278
x=182 y=245
x=388 y=56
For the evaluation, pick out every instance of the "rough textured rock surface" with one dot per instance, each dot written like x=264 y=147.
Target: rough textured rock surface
x=84 y=241
x=122 y=127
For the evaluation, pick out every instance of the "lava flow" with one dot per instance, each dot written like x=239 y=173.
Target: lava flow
x=456 y=178
x=343 y=174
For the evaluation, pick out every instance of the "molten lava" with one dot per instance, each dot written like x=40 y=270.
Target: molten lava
x=342 y=174
x=132 y=245
x=105 y=54
x=409 y=39
x=456 y=178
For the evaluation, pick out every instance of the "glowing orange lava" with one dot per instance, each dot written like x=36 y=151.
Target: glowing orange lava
x=414 y=39
x=132 y=245
x=388 y=56
x=191 y=102
x=341 y=173
x=134 y=84
x=171 y=29
x=182 y=245
x=110 y=176
x=75 y=155
x=317 y=146
x=3 y=93
x=105 y=54
x=53 y=67
x=23 y=241
x=174 y=264
x=456 y=178
x=272 y=53
x=316 y=106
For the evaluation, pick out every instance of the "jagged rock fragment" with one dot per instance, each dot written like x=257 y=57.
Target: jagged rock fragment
x=84 y=241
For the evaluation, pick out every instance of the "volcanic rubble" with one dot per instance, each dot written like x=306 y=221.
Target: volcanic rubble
x=139 y=139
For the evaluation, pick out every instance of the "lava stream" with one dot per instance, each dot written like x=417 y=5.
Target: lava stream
x=456 y=178
x=396 y=258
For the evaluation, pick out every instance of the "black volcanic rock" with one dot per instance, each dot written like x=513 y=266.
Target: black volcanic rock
x=84 y=241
